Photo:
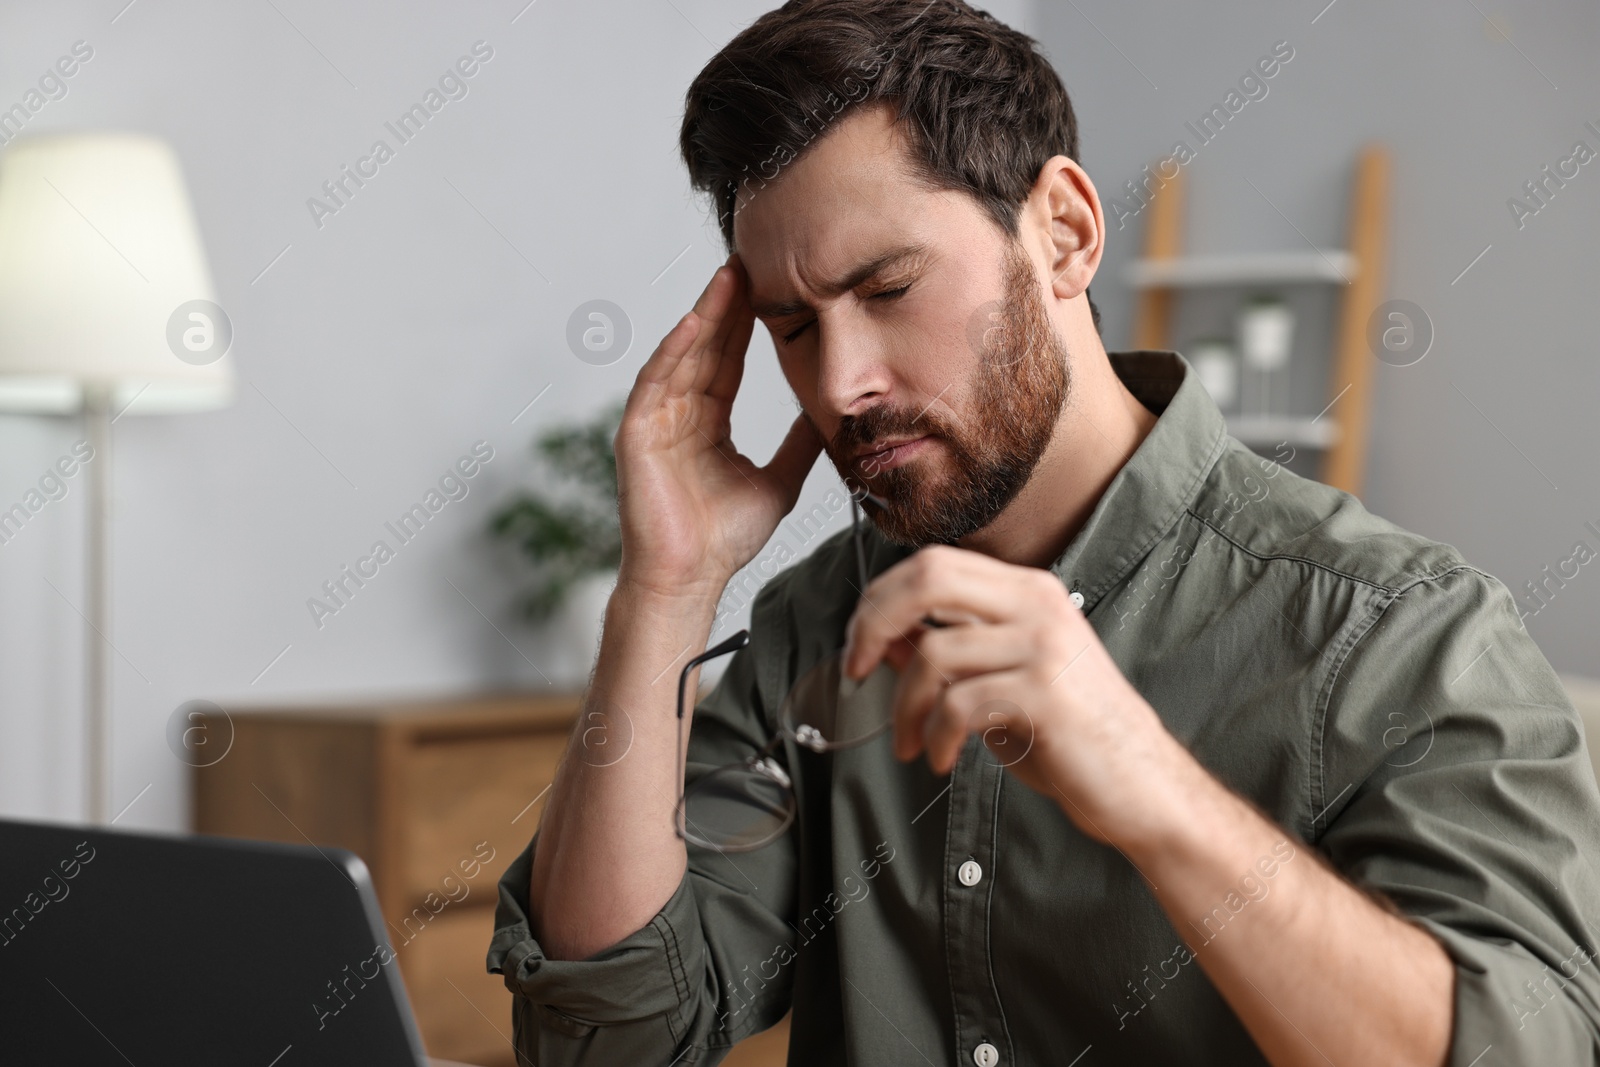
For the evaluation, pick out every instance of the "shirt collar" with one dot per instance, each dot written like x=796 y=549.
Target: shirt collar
x=1144 y=499
x=1160 y=479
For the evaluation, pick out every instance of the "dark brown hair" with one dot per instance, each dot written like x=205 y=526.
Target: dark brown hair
x=980 y=106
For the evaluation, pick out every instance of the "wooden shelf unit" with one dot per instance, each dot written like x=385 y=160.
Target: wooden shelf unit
x=1164 y=272
x=1267 y=268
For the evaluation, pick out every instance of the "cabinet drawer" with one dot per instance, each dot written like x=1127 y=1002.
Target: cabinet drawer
x=464 y=1012
x=460 y=792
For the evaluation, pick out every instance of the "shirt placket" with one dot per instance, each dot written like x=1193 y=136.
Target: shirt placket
x=970 y=853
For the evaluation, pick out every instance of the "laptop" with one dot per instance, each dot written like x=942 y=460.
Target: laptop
x=121 y=947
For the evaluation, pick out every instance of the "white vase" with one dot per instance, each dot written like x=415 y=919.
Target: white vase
x=1218 y=370
x=1266 y=332
x=577 y=625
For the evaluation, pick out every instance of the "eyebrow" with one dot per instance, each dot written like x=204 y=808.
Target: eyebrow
x=768 y=309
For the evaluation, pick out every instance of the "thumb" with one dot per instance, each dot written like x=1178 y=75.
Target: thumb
x=794 y=459
x=899 y=653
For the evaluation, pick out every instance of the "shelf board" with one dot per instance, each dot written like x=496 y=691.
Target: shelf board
x=1296 y=431
x=1250 y=268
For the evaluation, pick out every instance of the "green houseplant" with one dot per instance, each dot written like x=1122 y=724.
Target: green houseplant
x=573 y=533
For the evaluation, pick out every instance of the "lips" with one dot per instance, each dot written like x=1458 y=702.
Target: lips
x=882 y=455
x=883 y=446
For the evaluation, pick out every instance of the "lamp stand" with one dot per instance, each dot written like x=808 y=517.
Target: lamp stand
x=97 y=616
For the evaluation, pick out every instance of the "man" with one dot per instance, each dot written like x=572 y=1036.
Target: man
x=1193 y=760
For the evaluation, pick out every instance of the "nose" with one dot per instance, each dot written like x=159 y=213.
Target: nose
x=852 y=371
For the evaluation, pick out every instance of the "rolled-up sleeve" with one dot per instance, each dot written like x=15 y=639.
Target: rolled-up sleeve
x=1457 y=785
x=687 y=985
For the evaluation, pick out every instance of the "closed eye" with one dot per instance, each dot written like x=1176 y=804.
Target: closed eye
x=887 y=294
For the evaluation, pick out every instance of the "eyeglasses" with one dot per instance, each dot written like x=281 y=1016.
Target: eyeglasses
x=742 y=806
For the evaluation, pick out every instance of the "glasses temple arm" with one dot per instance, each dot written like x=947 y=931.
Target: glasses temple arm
x=855 y=533
x=732 y=644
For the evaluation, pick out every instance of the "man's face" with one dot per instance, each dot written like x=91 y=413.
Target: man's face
x=946 y=351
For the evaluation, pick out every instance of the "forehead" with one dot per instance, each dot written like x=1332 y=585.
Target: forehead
x=847 y=200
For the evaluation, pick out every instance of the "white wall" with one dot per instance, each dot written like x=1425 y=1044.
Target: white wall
x=380 y=346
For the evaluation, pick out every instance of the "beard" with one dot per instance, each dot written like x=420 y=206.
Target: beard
x=1018 y=388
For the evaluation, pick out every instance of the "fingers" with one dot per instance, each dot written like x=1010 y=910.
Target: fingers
x=658 y=370
x=977 y=703
x=947 y=583
x=943 y=658
x=720 y=306
x=680 y=359
x=738 y=323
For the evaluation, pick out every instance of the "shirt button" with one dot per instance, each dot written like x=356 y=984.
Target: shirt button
x=986 y=1055
x=970 y=874
x=1076 y=598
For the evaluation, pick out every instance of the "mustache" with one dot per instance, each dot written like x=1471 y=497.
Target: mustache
x=857 y=431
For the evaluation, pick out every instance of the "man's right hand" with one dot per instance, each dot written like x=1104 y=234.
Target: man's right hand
x=693 y=508
x=693 y=512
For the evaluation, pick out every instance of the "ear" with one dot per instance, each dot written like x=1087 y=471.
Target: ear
x=1064 y=213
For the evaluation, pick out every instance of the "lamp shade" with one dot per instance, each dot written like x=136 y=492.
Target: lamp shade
x=103 y=280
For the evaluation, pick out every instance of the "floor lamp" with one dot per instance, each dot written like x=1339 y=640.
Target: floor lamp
x=106 y=309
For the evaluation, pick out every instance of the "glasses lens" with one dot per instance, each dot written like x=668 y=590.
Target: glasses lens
x=736 y=808
x=827 y=709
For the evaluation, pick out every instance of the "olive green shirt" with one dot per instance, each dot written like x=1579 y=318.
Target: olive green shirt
x=1373 y=693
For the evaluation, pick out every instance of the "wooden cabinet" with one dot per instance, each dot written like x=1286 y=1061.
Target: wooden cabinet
x=437 y=798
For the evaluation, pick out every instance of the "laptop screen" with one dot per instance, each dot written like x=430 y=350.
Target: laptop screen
x=137 y=948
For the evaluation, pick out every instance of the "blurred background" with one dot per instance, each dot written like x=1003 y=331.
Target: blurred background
x=440 y=315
